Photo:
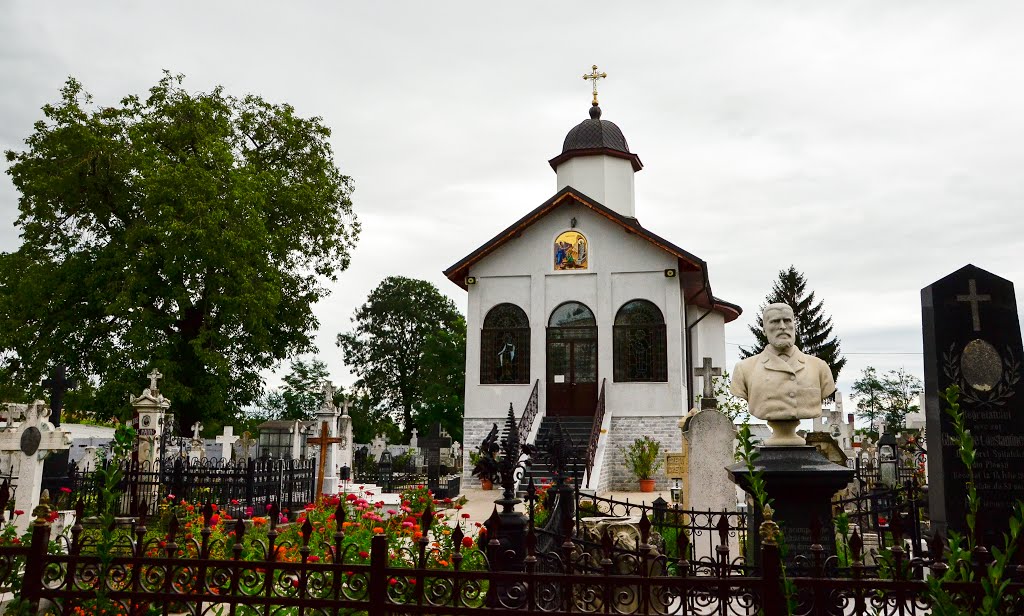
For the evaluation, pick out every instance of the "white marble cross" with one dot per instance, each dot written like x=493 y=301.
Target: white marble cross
x=154 y=376
x=226 y=440
x=196 y=427
x=706 y=372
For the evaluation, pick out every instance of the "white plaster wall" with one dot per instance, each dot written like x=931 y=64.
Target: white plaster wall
x=622 y=267
x=607 y=179
x=492 y=400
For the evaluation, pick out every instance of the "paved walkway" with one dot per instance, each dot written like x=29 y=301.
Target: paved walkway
x=480 y=503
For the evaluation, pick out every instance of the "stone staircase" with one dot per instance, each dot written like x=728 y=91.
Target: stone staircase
x=578 y=431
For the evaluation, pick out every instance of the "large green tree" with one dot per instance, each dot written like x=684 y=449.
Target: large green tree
x=302 y=392
x=813 y=326
x=187 y=231
x=386 y=348
x=443 y=380
x=887 y=400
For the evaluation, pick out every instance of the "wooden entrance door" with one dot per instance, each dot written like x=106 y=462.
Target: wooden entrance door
x=571 y=361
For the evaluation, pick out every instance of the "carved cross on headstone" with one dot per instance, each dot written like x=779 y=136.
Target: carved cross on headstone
x=706 y=372
x=154 y=376
x=58 y=385
x=345 y=406
x=322 y=441
x=974 y=298
x=196 y=427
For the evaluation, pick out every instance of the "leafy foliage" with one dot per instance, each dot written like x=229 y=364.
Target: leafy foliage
x=729 y=405
x=813 y=327
x=302 y=392
x=403 y=319
x=888 y=399
x=643 y=457
x=187 y=231
x=443 y=379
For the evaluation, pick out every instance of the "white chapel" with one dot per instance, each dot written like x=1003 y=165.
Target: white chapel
x=578 y=312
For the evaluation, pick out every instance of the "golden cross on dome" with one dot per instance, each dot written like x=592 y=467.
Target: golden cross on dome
x=594 y=76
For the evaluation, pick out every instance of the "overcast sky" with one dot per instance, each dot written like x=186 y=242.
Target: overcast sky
x=876 y=146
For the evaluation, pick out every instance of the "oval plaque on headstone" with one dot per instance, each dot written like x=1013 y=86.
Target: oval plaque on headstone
x=981 y=364
x=30 y=440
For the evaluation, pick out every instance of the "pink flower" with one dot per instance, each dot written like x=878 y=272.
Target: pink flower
x=392 y=512
x=270 y=506
x=65 y=490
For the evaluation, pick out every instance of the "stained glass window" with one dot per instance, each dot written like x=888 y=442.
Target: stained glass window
x=505 y=346
x=639 y=343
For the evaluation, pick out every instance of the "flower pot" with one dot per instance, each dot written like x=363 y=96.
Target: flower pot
x=646 y=485
x=486 y=484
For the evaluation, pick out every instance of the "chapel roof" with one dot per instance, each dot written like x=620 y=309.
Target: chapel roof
x=693 y=271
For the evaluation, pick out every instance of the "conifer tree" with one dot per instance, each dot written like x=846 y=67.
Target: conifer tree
x=813 y=326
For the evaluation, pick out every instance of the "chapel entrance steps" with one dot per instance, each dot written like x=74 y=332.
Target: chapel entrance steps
x=578 y=430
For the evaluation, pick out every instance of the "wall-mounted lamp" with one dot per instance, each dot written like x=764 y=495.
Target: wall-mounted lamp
x=470 y=280
x=670 y=273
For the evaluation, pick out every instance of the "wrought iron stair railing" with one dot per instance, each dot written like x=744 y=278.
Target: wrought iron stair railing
x=595 y=433
x=529 y=414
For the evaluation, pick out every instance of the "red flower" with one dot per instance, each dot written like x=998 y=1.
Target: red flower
x=214 y=520
x=295 y=583
x=364 y=554
x=350 y=497
x=465 y=516
x=234 y=501
x=214 y=506
x=19 y=512
x=392 y=581
x=467 y=542
x=65 y=490
x=314 y=558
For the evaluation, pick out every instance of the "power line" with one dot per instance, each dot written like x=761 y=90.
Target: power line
x=858 y=352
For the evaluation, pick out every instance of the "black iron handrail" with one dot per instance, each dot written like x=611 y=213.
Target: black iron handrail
x=529 y=414
x=595 y=432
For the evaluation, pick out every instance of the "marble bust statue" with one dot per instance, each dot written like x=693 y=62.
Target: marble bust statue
x=781 y=384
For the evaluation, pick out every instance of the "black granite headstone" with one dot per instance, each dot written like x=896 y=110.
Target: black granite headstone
x=432 y=444
x=972 y=339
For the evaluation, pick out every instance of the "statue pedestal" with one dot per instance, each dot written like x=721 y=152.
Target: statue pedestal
x=800 y=483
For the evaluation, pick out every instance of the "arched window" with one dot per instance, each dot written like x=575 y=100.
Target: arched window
x=639 y=343
x=505 y=346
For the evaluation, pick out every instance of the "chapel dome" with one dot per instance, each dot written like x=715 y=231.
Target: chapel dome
x=595 y=133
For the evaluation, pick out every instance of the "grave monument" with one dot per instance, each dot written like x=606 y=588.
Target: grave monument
x=32 y=439
x=972 y=340
x=784 y=385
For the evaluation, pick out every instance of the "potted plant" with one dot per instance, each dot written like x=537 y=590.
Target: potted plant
x=643 y=460
x=485 y=460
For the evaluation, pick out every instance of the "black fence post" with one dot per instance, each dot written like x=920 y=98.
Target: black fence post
x=35 y=563
x=378 y=575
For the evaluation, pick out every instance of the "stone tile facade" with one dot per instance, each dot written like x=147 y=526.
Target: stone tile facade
x=473 y=433
x=623 y=431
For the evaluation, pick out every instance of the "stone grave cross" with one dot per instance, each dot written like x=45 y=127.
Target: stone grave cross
x=31 y=441
x=323 y=442
x=707 y=374
x=226 y=440
x=58 y=385
x=196 y=427
x=154 y=376
x=245 y=444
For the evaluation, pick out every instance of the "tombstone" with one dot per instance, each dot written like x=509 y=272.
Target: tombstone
x=328 y=415
x=226 y=440
x=56 y=464
x=972 y=339
x=709 y=440
x=414 y=440
x=378 y=445
x=196 y=449
x=432 y=444
x=246 y=446
x=32 y=439
x=150 y=416
x=345 y=447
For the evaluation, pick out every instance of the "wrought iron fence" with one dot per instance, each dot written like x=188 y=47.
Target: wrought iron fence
x=241 y=484
x=595 y=433
x=178 y=573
